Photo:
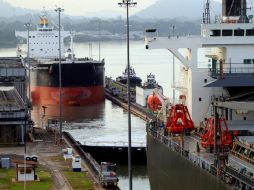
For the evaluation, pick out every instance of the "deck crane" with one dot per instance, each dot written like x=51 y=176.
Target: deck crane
x=207 y=139
x=179 y=120
x=176 y=117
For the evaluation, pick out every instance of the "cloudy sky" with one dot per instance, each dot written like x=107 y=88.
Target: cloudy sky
x=77 y=7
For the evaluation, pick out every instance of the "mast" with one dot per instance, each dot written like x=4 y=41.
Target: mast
x=72 y=50
x=99 y=39
x=206 y=14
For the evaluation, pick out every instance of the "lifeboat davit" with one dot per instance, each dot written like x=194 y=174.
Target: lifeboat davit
x=179 y=120
x=207 y=139
x=153 y=102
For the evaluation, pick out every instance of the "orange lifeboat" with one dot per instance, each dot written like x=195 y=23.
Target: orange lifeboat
x=179 y=120
x=153 y=102
x=207 y=139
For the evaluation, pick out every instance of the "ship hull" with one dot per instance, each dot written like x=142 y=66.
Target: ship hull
x=169 y=170
x=71 y=96
x=82 y=83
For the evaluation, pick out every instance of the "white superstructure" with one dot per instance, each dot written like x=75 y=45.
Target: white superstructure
x=44 y=42
x=228 y=61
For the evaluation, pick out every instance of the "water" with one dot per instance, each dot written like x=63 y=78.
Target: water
x=159 y=62
x=103 y=124
x=106 y=123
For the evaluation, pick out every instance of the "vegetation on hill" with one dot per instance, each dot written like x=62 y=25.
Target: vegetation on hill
x=115 y=27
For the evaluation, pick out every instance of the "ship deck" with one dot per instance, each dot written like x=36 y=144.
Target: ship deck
x=203 y=158
x=35 y=61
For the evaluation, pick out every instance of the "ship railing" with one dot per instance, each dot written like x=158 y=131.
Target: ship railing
x=199 y=161
x=232 y=68
x=174 y=146
x=242 y=156
x=240 y=176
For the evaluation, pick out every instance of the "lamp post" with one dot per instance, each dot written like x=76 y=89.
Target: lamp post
x=127 y=4
x=59 y=10
x=28 y=25
x=174 y=87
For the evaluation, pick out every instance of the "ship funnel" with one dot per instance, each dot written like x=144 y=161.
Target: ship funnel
x=233 y=8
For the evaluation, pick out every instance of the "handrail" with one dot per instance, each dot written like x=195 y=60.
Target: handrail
x=242 y=177
x=196 y=159
x=199 y=161
x=234 y=68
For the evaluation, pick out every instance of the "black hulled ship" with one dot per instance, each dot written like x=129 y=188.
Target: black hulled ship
x=82 y=78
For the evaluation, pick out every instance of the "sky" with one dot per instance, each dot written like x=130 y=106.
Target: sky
x=79 y=7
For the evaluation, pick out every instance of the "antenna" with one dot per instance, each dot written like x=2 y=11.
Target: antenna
x=229 y=11
x=206 y=14
x=99 y=39
x=72 y=33
x=44 y=12
x=90 y=50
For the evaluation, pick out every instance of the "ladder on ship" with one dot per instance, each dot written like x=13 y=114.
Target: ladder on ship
x=181 y=83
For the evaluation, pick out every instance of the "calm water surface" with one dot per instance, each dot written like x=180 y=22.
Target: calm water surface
x=106 y=123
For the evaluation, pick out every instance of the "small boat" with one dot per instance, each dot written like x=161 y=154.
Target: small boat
x=151 y=83
x=134 y=80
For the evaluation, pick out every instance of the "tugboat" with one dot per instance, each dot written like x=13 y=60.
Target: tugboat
x=134 y=79
x=219 y=95
x=150 y=82
x=82 y=78
x=143 y=92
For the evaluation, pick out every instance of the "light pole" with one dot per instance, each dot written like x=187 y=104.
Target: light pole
x=28 y=25
x=127 y=4
x=174 y=87
x=59 y=10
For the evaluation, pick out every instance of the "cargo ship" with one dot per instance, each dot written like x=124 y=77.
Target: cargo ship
x=205 y=141
x=82 y=78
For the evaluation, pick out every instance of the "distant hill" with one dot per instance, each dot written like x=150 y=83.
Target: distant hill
x=187 y=9
x=7 y=10
x=190 y=9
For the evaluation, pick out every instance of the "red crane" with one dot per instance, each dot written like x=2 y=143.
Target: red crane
x=207 y=139
x=179 y=120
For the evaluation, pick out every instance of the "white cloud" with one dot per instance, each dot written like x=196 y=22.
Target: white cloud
x=79 y=7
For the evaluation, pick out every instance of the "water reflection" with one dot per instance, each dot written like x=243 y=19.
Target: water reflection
x=70 y=114
x=140 y=178
x=101 y=124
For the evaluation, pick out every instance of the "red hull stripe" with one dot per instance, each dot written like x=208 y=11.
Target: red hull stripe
x=71 y=96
